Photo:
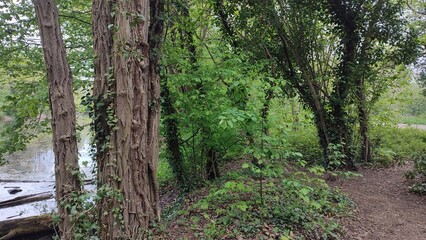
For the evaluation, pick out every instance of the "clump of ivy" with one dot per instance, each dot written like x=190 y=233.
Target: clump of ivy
x=286 y=206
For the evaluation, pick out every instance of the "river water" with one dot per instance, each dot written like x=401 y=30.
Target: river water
x=32 y=171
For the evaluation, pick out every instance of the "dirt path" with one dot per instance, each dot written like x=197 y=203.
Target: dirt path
x=385 y=208
x=418 y=126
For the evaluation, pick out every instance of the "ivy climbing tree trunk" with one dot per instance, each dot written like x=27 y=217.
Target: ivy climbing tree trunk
x=127 y=40
x=62 y=106
x=363 y=123
x=172 y=135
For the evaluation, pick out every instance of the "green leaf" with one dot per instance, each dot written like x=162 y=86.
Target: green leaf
x=204 y=205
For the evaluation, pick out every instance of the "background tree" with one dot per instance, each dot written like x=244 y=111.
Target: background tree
x=319 y=47
x=62 y=107
x=207 y=113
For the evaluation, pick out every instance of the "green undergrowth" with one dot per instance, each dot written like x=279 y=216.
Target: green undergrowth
x=418 y=175
x=305 y=141
x=420 y=119
x=164 y=172
x=396 y=145
x=267 y=203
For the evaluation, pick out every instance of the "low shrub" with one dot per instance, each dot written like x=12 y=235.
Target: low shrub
x=418 y=174
x=267 y=203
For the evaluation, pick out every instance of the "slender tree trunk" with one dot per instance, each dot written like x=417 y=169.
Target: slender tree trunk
x=171 y=124
x=187 y=37
x=363 y=123
x=62 y=106
x=294 y=113
x=172 y=135
x=127 y=40
x=269 y=94
x=212 y=166
x=323 y=133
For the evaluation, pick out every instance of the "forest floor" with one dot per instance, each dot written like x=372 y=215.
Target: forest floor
x=385 y=209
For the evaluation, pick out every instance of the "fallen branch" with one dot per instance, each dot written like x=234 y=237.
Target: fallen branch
x=24 y=181
x=86 y=181
x=26 y=199
x=27 y=228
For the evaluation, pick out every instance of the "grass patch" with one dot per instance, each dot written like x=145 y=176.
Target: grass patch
x=391 y=144
x=421 y=119
x=164 y=172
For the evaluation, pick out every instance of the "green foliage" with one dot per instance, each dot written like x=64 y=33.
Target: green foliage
x=213 y=101
x=82 y=212
x=326 y=59
x=289 y=202
x=392 y=144
x=418 y=174
x=26 y=104
x=305 y=141
x=164 y=171
x=336 y=155
x=22 y=68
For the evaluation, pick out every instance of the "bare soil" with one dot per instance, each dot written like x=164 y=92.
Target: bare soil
x=385 y=209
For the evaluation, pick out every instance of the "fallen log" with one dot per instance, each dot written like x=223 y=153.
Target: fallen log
x=24 y=181
x=86 y=181
x=35 y=227
x=26 y=199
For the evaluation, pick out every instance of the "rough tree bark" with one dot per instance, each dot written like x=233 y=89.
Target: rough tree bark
x=127 y=40
x=62 y=109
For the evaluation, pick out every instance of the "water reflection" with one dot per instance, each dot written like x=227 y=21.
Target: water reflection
x=33 y=171
x=37 y=161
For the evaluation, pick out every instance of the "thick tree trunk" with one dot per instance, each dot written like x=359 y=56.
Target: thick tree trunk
x=126 y=75
x=345 y=18
x=63 y=111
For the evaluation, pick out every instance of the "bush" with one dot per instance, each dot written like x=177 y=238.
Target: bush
x=418 y=174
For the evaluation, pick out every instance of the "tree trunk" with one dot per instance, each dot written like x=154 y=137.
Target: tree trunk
x=212 y=166
x=269 y=94
x=323 y=135
x=341 y=134
x=62 y=109
x=126 y=77
x=363 y=124
x=172 y=136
